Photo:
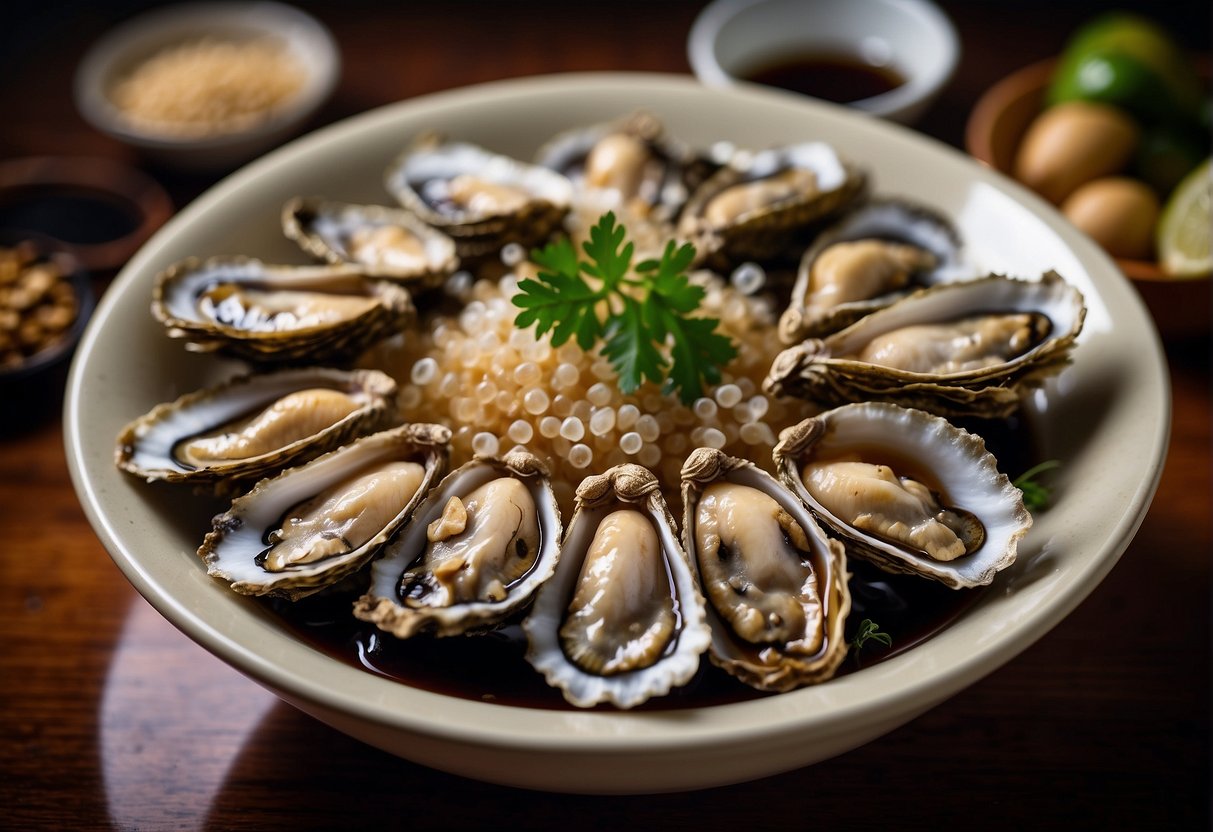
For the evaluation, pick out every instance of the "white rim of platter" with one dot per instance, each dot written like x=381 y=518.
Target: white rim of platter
x=1106 y=418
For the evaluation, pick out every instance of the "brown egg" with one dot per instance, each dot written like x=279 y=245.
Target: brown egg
x=1072 y=143
x=1118 y=213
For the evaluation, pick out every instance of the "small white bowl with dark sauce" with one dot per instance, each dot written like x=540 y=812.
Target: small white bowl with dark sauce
x=890 y=58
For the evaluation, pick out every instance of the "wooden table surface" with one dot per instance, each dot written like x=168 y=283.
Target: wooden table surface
x=111 y=718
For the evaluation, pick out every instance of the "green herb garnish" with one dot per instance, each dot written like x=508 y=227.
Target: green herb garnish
x=1036 y=496
x=869 y=630
x=635 y=311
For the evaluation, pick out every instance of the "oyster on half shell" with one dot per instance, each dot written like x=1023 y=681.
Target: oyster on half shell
x=970 y=348
x=621 y=620
x=754 y=211
x=881 y=251
x=315 y=524
x=476 y=550
x=907 y=490
x=254 y=425
x=383 y=242
x=481 y=199
x=776 y=585
x=649 y=172
x=267 y=313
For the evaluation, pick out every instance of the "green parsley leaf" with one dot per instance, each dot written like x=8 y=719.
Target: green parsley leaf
x=1036 y=496
x=869 y=630
x=646 y=313
x=607 y=262
x=630 y=348
x=560 y=299
x=559 y=257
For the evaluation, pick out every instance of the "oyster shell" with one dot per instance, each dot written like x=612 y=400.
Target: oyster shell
x=477 y=549
x=253 y=425
x=879 y=252
x=383 y=242
x=754 y=212
x=907 y=490
x=776 y=584
x=314 y=524
x=269 y=313
x=481 y=199
x=621 y=620
x=650 y=172
x=957 y=349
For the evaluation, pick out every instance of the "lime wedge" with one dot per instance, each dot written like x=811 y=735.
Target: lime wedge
x=1187 y=225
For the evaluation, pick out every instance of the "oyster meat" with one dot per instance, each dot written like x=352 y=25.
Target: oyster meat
x=481 y=199
x=877 y=253
x=971 y=343
x=755 y=211
x=906 y=490
x=254 y=425
x=649 y=172
x=621 y=620
x=315 y=524
x=776 y=585
x=970 y=348
x=383 y=242
x=267 y=313
x=479 y=546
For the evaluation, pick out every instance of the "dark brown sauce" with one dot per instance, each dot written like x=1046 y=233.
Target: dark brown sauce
x=840 y=78
x=71 y=214
x=493 y=667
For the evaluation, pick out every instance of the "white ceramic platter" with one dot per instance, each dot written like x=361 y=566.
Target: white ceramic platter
x=1106 y=417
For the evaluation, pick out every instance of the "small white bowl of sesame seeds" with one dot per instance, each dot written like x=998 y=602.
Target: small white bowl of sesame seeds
x=208 y=86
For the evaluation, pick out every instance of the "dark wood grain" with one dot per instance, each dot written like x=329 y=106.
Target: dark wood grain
x=109 y=718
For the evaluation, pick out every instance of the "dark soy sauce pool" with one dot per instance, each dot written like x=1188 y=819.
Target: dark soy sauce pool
x=493 y=667
x=839 y=78
x=71 y=214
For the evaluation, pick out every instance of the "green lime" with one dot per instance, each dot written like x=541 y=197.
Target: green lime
x=1117 y=80
x=1134 y=46
x=1186 y=226
x=1167 y=152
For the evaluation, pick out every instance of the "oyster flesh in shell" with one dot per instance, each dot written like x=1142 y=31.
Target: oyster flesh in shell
x=776 y=585
x=313 y=525
x=956 y=349
x=385 y=242
x=481 y=199
x=477 y=549
x=254 y=425
x=907 y=490
x=621 y=620
x=650 y=173
x=882 y=250
x=755 y=211
x=269 y=313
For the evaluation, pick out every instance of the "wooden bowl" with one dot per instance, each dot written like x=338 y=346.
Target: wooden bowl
x=1180 y=306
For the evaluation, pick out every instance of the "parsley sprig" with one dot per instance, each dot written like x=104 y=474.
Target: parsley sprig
x=1036 y=496
x=636 y=311
x=869 y=630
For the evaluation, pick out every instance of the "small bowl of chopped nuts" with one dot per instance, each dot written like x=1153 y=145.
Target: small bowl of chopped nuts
x=45 y=302
x=208 y=86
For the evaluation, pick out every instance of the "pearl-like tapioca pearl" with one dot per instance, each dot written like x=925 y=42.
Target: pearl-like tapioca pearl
x=727 y=395
x=572 y=429
x=535 y=401
x=521 y=431
x=485 y=444
x=631 y=443
x=424 y=371
x=580 y=456
x=602 y=421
